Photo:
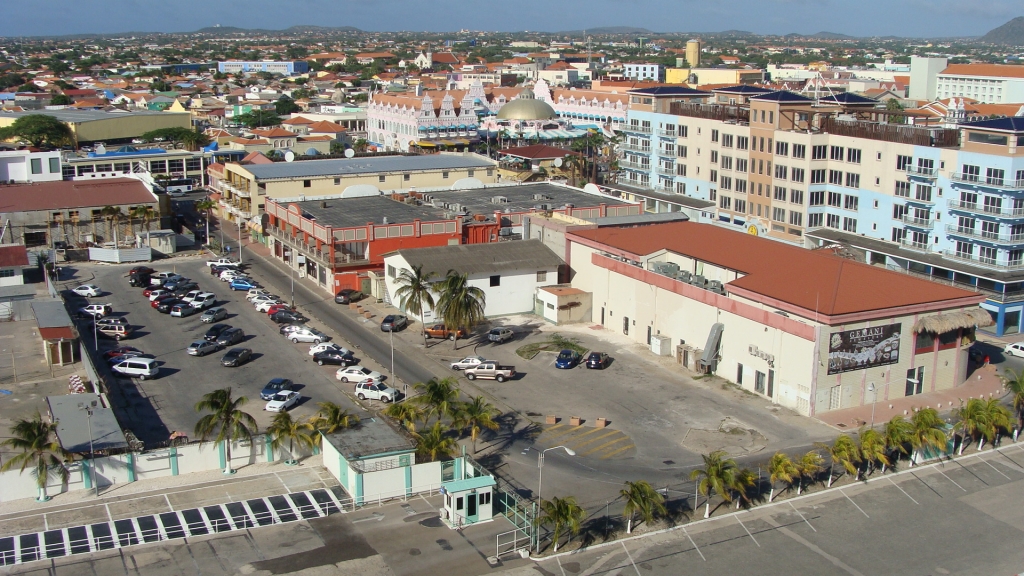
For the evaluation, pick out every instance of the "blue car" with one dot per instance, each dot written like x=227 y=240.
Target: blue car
x=567 y=359
x=243 y=284
x=274 y=386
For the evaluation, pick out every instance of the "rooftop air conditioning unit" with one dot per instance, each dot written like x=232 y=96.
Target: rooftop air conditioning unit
x=716 y=287
x=697 y=281
x=499 y=200
x=505 y=232
x=569 y=206
x=541 y=197
x=684 y=276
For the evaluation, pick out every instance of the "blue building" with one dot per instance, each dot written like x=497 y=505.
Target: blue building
x=274 y=67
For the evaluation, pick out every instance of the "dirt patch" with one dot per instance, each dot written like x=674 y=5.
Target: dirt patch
x=731 y=436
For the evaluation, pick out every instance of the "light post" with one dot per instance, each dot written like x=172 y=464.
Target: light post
x=95 y=336
x=92 y=460
x=391 y=334
x=291 y=265
x=540 y=474
x=874 y=397
x=238 y=220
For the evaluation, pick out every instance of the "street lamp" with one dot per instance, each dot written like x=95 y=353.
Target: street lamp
x=540 y=475
x=391 y=335
x=92 y=460
x=874 y=396
x=238 y=220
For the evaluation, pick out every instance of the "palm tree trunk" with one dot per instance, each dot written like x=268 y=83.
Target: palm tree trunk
x=981 y=443
x=629 y=524
x=227 y=456
x=771 y=493
x=830 y=470
x=707 y=507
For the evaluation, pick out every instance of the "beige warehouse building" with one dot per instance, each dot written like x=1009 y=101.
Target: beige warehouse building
x=100 y=126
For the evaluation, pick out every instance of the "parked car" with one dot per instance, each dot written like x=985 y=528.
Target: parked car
x=88 y=290
x=236 y=357
x=218 y=270
x=202 y=348
x=468 y=362
x=287 y=316
x=139 y=280
x=265 y=305
x=393 y=323
x=148 y=292
x=328 y=346
x=274 y=386
x=182 y=309
x=183 y=289
x=441 y=332
x=96 y=310
x=141 y=368
x=263 y=298
x=567 y=359
x=282 y=401
x=231 y=336
x=375 y=391
x=154 y=302
x=223 y=262
x=123 y=357
x=177 y=283
x=164 y=305
x=161 y=278
x=307 y=334
x=157 y=293
x=204 y=300
x=254 y=292
x=119 y=351
x=1015 y=349
x=348 y=295
x=275 y=308
x=191 y=295
x=214 y=315
x=491 y=371
x=115 y=331
x=333 y=357
x=214 y=332
x=243 y=284
x=597 y=360
x=287 y=329
x=357 y=374
x=499 y=335
x=146 y=270
x=230 y=274
x=111 y=321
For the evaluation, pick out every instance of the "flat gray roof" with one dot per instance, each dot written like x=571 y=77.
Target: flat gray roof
x=349 y=212
x=645 y=218
x=73 y=423
x=368 y=165
x=51 y=314
x=373 y=436
x=681 y=199
x=78 y=116
x=521 y=198
x=488 y=258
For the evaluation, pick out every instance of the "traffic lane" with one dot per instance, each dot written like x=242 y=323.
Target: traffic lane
x=185 y=379
x=322 y=307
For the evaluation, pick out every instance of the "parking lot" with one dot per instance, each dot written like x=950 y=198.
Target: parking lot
x=156 y=408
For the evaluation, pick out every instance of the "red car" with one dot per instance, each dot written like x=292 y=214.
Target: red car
x=276 y=308
x=120 y=351
x=161 y=299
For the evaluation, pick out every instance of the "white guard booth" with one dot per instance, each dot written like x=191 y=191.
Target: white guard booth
x=467 y=501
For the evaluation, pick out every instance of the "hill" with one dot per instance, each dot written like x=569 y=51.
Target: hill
x=1011 y=33
x=831 y=36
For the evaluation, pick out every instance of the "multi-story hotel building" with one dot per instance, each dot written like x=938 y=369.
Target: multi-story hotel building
x=986 y=83
x=947 y=204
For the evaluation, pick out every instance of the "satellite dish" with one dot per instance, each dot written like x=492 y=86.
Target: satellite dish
x=350 y=153
x=592 y=188
x=312 y=151
x=558 y=162
x=289 y=156
x=101 y=149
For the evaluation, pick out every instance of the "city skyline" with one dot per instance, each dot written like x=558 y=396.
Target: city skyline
x=775 y=17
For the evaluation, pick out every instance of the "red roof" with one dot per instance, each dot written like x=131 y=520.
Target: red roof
x=538 y=152
x=65 y=194
x=273 y=133
x=325 y=126
x=816 y=281
x=60 y=332
x=14 y=255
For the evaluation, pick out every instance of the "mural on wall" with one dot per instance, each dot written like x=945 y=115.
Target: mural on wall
x=863 y=348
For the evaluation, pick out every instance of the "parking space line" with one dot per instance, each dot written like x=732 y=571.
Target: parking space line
x=1015 y=465
x=618 y=451
x=950 y=479
x=630 y=556
x=854 y=503
x=998 y=471
x=802 y=516
x=559 y=560
x=694 y=544
x=605 y=445
x=971 y=472
x=591 y=431
x=904 y=492
x=927 y=485
x=747 y=531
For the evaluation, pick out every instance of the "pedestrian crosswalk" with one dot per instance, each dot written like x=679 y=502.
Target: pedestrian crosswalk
x=588 y=441
x=168 y=526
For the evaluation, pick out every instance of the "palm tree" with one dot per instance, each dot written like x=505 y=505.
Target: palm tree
x=562 y=513
x=810 y=465
x=972 y=422
x=113 y=215
x=285 y=428
x=717 y=476
x=873 y=449
x=435 y=444
x=1014 y=384
x=842 y=451
x=459 y=304
x=641 y=497
x=781 y=468
x=38 y=447
x=896 y=433
x=476 y=415
x=144 y=213
x=742 y=482
x=406 y=413
x=206 y=205
x=438 y=396
x=1000 y=420
x=927 y=430
x=414 y=293
x=332 y=418
x=225 y=422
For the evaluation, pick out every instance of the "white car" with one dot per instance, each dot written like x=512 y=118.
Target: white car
x=375 y=391
x=229 y=275
x=87 y=290
x=191 y=296
x=265 y=305
x=254 y=292
x=468 y=362
x=1015 y=349
x=325 y=346
x=154 y=294
x=357 y=374
x=282 y=401
x=263 y=298
x=159 y=278
x=307 y=334
x=222 y=262
x=96 y=310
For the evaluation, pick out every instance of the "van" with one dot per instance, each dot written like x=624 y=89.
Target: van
x=140 y=368
x=115 y=331
x=204 y=300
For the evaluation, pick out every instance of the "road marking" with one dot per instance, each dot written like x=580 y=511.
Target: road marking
x=904 y=492
x=605 y=445
x=800 y=539
x=971 y=472
x=591 y=431
x=694 y=545
x=618 y=451
x=596 y=438
x=950 y=479
x=559 y=560
x=854 y=503
x=801 y=516
x=927 y=485
x=747 y=531
x=994 y=468
x=553 y=428
x=1016 y=466
x=628 y=555
x=566 y=432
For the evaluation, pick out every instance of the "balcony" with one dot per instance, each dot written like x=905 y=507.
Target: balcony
x=923 y=172
x=710 y=111
x=637 y=128
x=639 y=148
x=900 y=133
x=994 y=238
x=978 y=180
x=916 y=222
x=987 y=210
x=666 y=170
x=917 y=200
x=667 y=133
x=999 y=264
x=634 y=165
x=914 y=245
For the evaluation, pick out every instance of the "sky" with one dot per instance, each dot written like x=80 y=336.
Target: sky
x=907 y=18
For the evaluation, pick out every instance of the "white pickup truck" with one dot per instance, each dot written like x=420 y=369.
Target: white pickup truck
x=491 y=371
x=222 y=262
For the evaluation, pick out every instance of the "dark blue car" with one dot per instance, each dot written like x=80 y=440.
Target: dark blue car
x=274 y=386
x=567 y=359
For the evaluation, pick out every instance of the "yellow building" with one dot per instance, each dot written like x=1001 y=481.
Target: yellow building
x=713 y=76
x=100 y=126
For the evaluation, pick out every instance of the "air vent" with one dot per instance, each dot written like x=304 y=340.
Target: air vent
x=499 y=200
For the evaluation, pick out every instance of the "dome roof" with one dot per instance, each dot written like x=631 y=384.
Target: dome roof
x=526 y=107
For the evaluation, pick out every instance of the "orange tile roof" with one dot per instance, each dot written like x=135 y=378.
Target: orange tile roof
x=275 y=132
x=816 y=281
x=297 y=121
x=317 y=138
x=325 y=126
x=998 y=70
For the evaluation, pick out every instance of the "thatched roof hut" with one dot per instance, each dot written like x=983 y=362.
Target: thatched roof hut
x=942 y=323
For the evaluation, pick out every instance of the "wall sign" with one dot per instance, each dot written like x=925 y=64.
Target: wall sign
x=863 y=348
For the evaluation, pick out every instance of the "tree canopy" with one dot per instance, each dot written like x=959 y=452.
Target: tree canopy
x=39 y=130
x=192 y=139
x=258 y=118
x=60 y=100
x=286 y=105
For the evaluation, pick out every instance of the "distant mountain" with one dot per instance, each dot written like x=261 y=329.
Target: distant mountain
x=610 y=30
x=1011 y=33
